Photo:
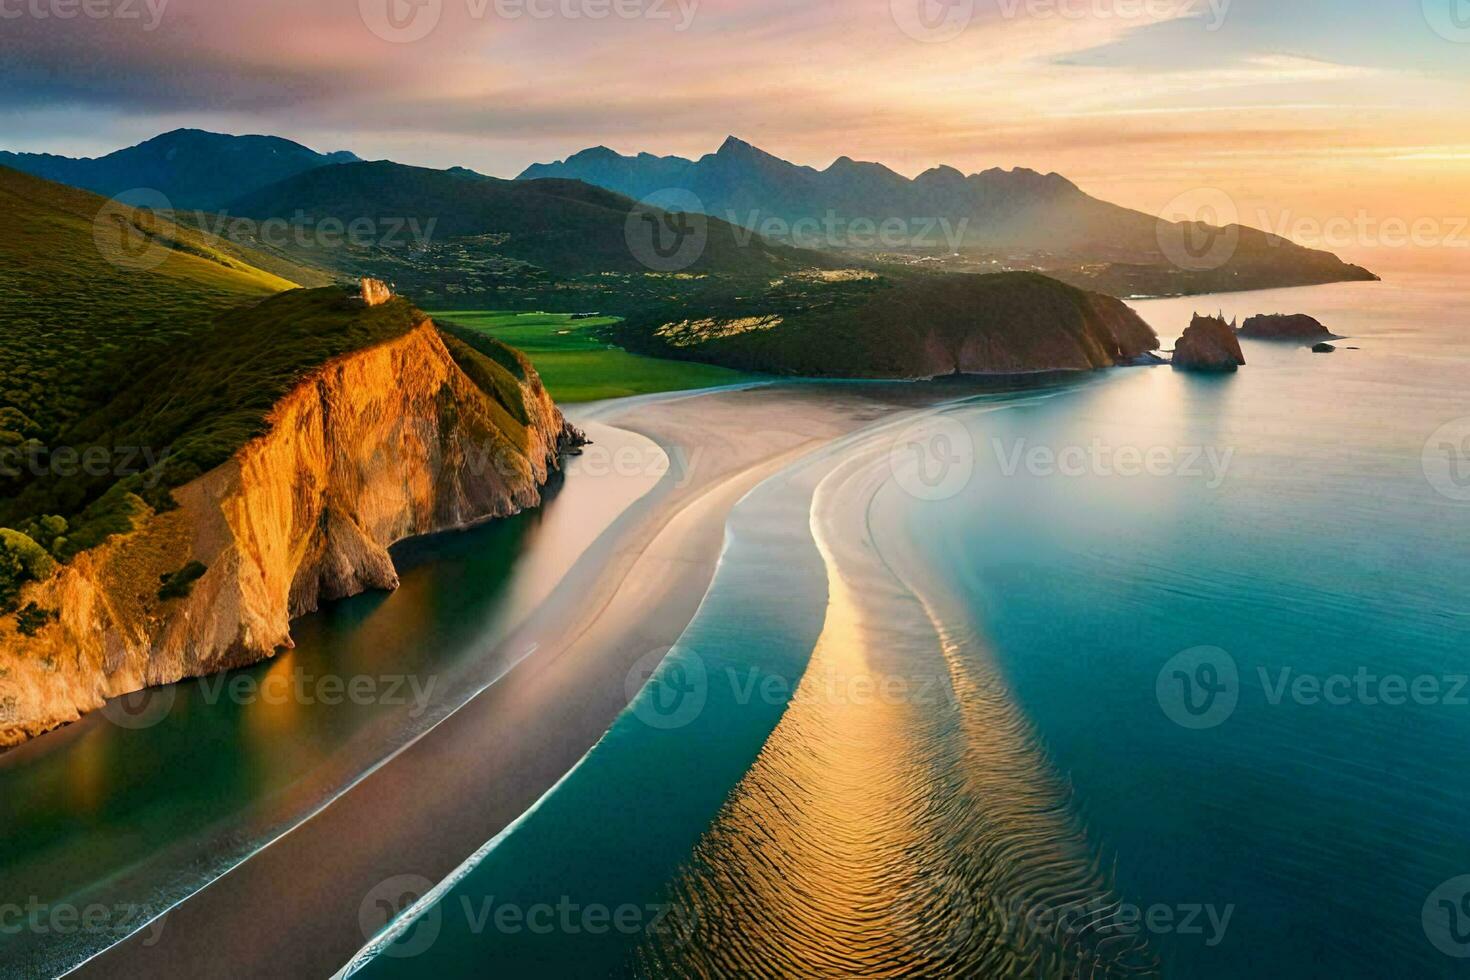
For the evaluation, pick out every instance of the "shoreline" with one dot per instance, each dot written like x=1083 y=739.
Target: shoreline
x=481 y=767
x=173 y=869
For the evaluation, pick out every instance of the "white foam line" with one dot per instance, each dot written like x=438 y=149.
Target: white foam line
x=410 y=915
x=314 y=812
x=397 y=926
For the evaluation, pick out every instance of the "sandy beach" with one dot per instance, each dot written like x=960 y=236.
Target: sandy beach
x=424 y=810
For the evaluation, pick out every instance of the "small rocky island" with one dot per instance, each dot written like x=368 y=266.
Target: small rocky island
x=1210 y=344
x=1279 y=326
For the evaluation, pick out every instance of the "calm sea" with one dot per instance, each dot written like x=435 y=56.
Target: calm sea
x=1142 y=673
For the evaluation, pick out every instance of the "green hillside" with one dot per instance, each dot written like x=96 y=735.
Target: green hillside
x=894 y=324
x=135 y=354
x=576 y=364
x=84 y=311
x=453 y=239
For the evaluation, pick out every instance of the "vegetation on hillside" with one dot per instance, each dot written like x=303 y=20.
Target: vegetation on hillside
x=576 y=363
x=892 y=324
x=210 y=395
x=82 y=313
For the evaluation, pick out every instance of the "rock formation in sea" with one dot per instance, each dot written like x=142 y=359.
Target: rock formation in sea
x=1323 y=348
x=1280 y=326
x=382 y=444
x=1209 y=344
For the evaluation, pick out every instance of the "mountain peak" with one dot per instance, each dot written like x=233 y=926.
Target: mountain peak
x=939 y=175
x=734 y=144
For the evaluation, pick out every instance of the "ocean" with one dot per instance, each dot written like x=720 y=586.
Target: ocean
x=1133 y=673
x=1142 y=673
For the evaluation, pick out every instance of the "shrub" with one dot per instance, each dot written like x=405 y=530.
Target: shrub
x=21 y=561
x=179 y=584
x=32 y=619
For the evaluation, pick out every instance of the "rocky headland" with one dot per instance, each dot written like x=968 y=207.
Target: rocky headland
x=412 y=436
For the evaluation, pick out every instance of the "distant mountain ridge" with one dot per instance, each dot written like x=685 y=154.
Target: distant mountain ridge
x=565 y=227
x=1002 y=211
x=741 y=182
x=191 y=167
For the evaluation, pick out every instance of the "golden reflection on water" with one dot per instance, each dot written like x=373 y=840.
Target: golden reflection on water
x=902 y=819
x=87 y=773
x=279 y=708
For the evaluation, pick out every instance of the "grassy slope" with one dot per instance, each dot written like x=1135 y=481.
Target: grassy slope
x=578 y=367
x=75 y=324
x=184 y=358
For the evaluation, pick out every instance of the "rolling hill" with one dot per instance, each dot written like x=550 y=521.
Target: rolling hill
x=902 y=325
x=193 y=451
x=564 y=227
x=145 y=341
x=454 y=239
x=93 y=293
x=192 y=168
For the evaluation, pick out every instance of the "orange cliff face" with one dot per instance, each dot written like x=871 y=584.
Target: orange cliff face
x=376 y=446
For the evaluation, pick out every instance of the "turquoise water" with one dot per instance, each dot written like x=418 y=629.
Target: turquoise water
x=932 y=718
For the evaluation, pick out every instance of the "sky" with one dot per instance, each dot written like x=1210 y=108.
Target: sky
x=1342 y=123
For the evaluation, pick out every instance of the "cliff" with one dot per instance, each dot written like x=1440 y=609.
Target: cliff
x=1209 y=344
x=406 y=437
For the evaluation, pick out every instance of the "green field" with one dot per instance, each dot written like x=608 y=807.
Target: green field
x=578 y=367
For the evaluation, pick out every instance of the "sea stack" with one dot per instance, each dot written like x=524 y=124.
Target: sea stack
x=1209 y=344
x=1279 y=326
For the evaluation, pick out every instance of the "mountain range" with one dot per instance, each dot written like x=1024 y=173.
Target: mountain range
x=192 y=168
x=521 y=240
x=1011 y=219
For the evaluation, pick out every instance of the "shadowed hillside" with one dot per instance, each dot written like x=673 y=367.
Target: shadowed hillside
x=994 y=221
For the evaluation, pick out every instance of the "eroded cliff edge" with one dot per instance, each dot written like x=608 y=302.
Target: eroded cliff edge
x=411 y=436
